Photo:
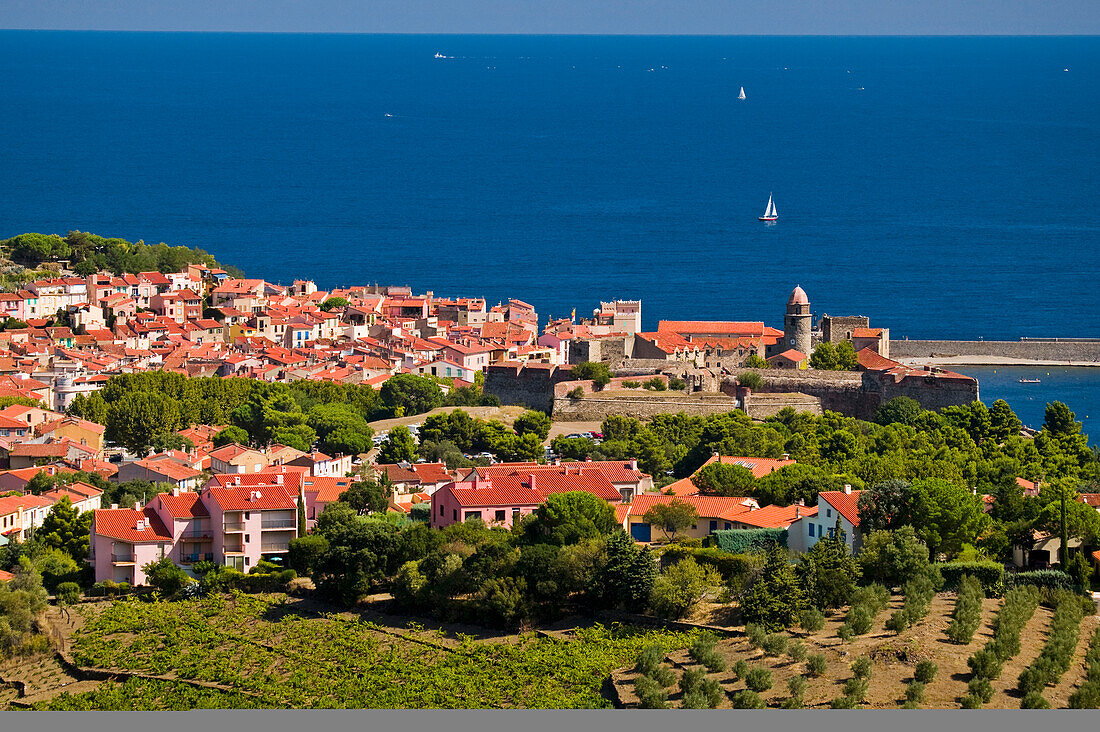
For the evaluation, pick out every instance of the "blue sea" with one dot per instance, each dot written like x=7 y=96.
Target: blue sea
x=945 y=187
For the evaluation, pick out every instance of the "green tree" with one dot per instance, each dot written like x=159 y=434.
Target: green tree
x=672 y=517
x=410 y=394
x=171 y=441
x=775 y=601
x=398 y=447
x=230 y=435
x=137 y=417
x=66 y=529
x=334 y=303
x=754 y=361
x=165 y=576
x=305 y=553
x=828 y=573
x=953 y=516
x=721 y=479
x=890 y=505
x=533 y=422
x=367 y=496
x=569 y=518
x=680 y=588
x=1003 y=422
x=594 y=371
x=893 y=557
x=824 y=357
x=899 y=410
x=627 y=575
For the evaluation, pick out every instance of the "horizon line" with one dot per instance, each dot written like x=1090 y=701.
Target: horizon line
x=554 y=34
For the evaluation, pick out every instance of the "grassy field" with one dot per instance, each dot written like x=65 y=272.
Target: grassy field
x=275 y=655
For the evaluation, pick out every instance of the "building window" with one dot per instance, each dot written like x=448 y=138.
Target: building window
x=246 y=515
x=713 y=525
x=811 y=528
x=454 y=515
x=828 y=513
x=515 y=513
x=441 y=511
x=246 y=561
x=246 y=539
x=500 y=514
x=727 y=526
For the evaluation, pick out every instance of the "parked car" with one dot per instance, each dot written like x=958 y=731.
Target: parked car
x=576 y=436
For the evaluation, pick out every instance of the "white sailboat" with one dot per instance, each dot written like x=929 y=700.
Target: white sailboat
x=770 y=213
x=742 y=94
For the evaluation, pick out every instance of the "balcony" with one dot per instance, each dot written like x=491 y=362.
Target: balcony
x=192 y=558
x=273 y=548
x=279 y=524
x=122 y=558
x=233 y=526
x=196 y=535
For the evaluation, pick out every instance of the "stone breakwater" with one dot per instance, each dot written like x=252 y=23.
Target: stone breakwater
x=1061 y=351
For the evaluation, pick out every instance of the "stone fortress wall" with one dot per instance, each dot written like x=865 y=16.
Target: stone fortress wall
x=1054 y=349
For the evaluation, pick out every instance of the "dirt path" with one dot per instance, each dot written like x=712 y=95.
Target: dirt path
x=1032 y=640
x=42 y=676
x=1058 y=696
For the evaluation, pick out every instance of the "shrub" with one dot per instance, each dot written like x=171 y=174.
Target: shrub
x=1019 y=605
x=991 y=575
x=971 y=702
x=856 y=688
x=732 y=567
x=677 y=384
x=792 y=702
x=578 y=393
x=68 y=593
x=663 y=675
x=1087 y=695
x=699 y=692
x=650 y=659
x=1034 y=700
x=812 y=620
x=751 y=380
x=755 y=635
x=816 y=665
x=796 y=650
x=914 y=692
x=967 y=615
x=775 y=644
x=651 y=695
x=980 y=688
x=704 y=652
x=748 y=700
x=844 y=702
x=861 y=667
x=759 y=679
x=910 y=705
x=925 y=672
x=629 y=384
x=860 y=620
x=1057 y=654
x=796 y=685
x=1052 y=578
x=654 y=384
x=743 y=541
x=898 y=621
x=741 y=668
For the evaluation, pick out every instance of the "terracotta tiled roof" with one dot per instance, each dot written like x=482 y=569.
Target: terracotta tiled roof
x=759 y=466
x=328 y=488
x=244 y=498
x=708 y=507
x=504 y=495
x=1090 y=499
x=870 y=360
x=845 y=503
x=121 y=523
x=185 y=505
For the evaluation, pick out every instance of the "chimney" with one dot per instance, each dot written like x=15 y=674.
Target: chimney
x=847 y=489
x=786 y=456
x=140 y=525
x=175 y=491
x=797 y=512
x=531 y=476
x=278 y=480
x=137 y=505
x=114 y=506
x=634 y=464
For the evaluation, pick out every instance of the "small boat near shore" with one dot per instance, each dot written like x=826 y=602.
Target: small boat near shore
x=1030 y=381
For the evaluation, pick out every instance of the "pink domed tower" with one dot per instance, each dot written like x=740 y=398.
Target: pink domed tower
x=797 y=322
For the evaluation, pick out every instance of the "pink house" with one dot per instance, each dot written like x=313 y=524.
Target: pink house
x=250 y=522
x=123 y=540
x=503 y=500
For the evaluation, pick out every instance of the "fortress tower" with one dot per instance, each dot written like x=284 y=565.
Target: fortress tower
x=797 y=322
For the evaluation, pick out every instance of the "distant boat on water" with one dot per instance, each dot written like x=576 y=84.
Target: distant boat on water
x=770 y=213
x=439 y=55
x=742 y=94
x=1030 y=381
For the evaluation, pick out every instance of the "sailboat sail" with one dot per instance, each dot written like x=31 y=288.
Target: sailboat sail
x=742 y=94
x=770 y=211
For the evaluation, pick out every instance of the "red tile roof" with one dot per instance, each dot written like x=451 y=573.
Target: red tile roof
x=1090 y=499
x=327 y=488
x=245 y=498
x=6 y=576
x=185 y=505
x=844 y=503
x=121 y=523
